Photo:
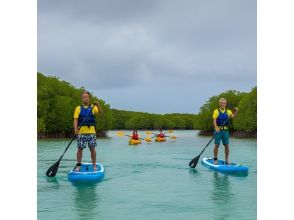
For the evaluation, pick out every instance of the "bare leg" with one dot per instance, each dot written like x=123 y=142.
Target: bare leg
x=93 y=157
x=227 y=151
x=79 y=157
x=215 y=152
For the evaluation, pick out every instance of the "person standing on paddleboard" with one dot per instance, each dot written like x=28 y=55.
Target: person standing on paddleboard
x=221 y=117
x=87 y=132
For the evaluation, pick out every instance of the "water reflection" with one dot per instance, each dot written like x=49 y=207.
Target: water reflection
x=53 y=183
x=222 y=195
x=86 y=200
x=52 y=179
x=193 y=172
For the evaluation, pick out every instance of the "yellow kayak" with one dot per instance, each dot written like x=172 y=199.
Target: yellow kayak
x=134 y=142
x=159 y=139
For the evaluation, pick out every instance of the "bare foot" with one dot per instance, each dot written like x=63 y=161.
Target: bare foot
x=77 y=169
x=95 y=167
x=228 y=163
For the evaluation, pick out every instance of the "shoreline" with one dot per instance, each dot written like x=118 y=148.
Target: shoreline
x=237 y=134
x=41 y=136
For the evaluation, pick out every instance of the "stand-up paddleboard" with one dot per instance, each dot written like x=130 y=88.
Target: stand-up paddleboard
x=87 y=173
x=223 y=167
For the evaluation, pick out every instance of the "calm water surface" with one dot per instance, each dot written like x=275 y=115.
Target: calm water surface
x=149 y=181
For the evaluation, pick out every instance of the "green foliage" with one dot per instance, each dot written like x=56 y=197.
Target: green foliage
x=246 y=119
x=41 y=125
x=141 y=120
x=59 y=117
x=247 y=116
x=56 y=102
x=138 y=122
x=104 y=122
x=120 y=117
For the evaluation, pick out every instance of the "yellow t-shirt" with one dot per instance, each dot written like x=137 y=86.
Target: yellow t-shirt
x=215 y=114
x=86 y=129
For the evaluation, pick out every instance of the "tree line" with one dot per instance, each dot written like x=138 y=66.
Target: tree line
x=56 y=102
x=143 y=120
x=246 y=121
x=57 y=99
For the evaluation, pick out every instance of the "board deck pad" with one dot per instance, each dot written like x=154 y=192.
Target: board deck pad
x=223 y=167
x=87 y=173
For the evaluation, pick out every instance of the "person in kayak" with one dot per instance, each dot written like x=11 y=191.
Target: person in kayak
x=220 y=117
x=161 y=134
x=135 y=135
x=87 y=132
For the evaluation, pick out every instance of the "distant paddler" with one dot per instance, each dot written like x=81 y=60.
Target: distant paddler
x=160 y=137
x=135 y=135
x=221 y=121
x=134 y=138
x=84 y=118
x=161 y=134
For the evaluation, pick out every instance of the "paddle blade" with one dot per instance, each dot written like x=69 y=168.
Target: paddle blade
x=173 y=137
x=193 y=163
x=51 y=172
x=148 y=132
x=170 y=131
x=120 y=133
x=148 y=139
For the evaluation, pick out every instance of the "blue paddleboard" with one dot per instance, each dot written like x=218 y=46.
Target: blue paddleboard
x=87 y=173
x=223 y=167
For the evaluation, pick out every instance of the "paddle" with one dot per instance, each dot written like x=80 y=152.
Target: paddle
x=172 y=137
x=51 y=172
x=155 y=135
x=193 y=162
x=149 y=132
x=121 y=134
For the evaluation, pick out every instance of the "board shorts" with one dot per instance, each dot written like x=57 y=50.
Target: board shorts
x=223 y=136
x=84 y=139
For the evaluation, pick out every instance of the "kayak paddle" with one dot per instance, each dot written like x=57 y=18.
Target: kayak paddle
x=122 y=134
x=51 y=172
x=193 y=162
x=172 y=137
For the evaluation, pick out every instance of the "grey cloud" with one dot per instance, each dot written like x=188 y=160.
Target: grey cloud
x=120 y=44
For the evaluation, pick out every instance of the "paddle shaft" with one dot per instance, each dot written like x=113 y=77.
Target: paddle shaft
x=209 y=142
x=131 y=136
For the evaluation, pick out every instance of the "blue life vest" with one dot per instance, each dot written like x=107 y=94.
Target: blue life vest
x=90 y=120
x=222 y=117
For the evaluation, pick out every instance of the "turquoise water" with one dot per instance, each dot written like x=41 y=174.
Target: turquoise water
x=149 y=181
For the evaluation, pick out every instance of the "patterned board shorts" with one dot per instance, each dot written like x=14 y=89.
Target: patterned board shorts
x=83 y=139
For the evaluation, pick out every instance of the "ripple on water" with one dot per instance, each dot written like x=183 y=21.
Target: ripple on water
x=150 y=181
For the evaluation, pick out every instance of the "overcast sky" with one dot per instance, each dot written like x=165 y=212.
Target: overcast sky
x=156 y=56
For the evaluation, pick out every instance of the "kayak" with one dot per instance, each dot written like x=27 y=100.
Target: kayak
x=134 y=142
x=159 y=139
x=224 y=168
x=86 y=173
